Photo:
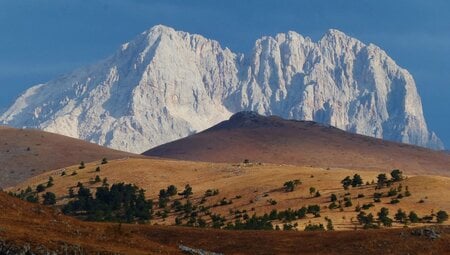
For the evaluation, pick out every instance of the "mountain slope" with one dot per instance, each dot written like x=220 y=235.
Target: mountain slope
x=22 y=227
x=248 y=135
x=25 y=153
x=167 y=84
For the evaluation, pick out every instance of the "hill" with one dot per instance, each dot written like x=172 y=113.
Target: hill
x=247 y=135
x=22 y=225
x=253 y=189
x=27 y=152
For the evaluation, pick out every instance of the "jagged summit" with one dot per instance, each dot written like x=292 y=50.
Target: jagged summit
x=166 y=84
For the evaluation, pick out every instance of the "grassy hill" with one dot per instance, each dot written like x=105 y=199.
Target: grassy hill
x=26 y=152
x=22 y=226
x=304 y=143
x=253 y=188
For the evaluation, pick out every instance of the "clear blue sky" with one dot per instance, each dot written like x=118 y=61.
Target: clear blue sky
x=40 y=39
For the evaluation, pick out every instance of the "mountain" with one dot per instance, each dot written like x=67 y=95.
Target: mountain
x=25 y=153
x=248 y=135
x=167 y=84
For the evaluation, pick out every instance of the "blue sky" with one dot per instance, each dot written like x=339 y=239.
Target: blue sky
x=41 y=39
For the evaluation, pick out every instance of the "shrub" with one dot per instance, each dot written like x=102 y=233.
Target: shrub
x=333 y=198
x=395 y=201
x=384 y=218
x=50 y=182
x=97 y=169
x=49 y=198
x=397 y=175
x=211 y=192
x=104 y=161
x=401 y=216
x=171 y=190
x=312 y=190
x=97 y=179
x=346 y=182
x=82 y=166
x=441 y=216
x=413 y=217
x=187 y=192
x=357 y=180
x=40 y=188
x=381 y=180
x=314 y=227
x=289 y=186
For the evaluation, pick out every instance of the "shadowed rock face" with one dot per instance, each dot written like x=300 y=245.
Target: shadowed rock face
x=167 y=84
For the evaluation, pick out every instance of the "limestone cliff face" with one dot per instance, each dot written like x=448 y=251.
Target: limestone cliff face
x=167 y=84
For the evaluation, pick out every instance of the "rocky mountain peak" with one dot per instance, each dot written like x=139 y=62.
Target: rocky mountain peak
x=167 y=84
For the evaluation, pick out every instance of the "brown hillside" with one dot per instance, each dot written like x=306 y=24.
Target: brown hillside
x=251 y=187
x=23 y=225
x=26 y=152
x=274 y=140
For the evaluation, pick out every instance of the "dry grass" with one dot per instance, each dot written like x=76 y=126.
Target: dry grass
x=26 y=152
x=274 y=140
x=255 y=184
x=23 y=223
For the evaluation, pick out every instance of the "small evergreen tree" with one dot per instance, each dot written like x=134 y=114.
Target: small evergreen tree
x=413 y=217
x=401 y=216
x=187 y=191
x=396 y=175
x=333 y=198
x=40 y=188
x=171 y=190
x=312 y=190
x=346 y=182
x=381 y=180
x=441 y=216
x=49 y=198
x=357 y=180
x=384 y=218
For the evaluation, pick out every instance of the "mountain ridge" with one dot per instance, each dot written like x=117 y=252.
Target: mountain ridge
x=166 y=84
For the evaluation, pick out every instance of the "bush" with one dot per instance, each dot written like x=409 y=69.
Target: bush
x=413 y=217
x=346 y=182
x=97 y=169
x=49 y=198
x=401 y=216
x=187 y=191
x=82 y=166
x=104 y=161
x=333 y=198
x=314 y=227
x=357 y=180
x=289 y=186
x=397 y=175
x=441 y=216
x=40 y=188
x=395 y=201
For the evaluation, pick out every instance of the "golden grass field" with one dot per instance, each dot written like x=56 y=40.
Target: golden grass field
x=255 y=184
x=42 y=228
